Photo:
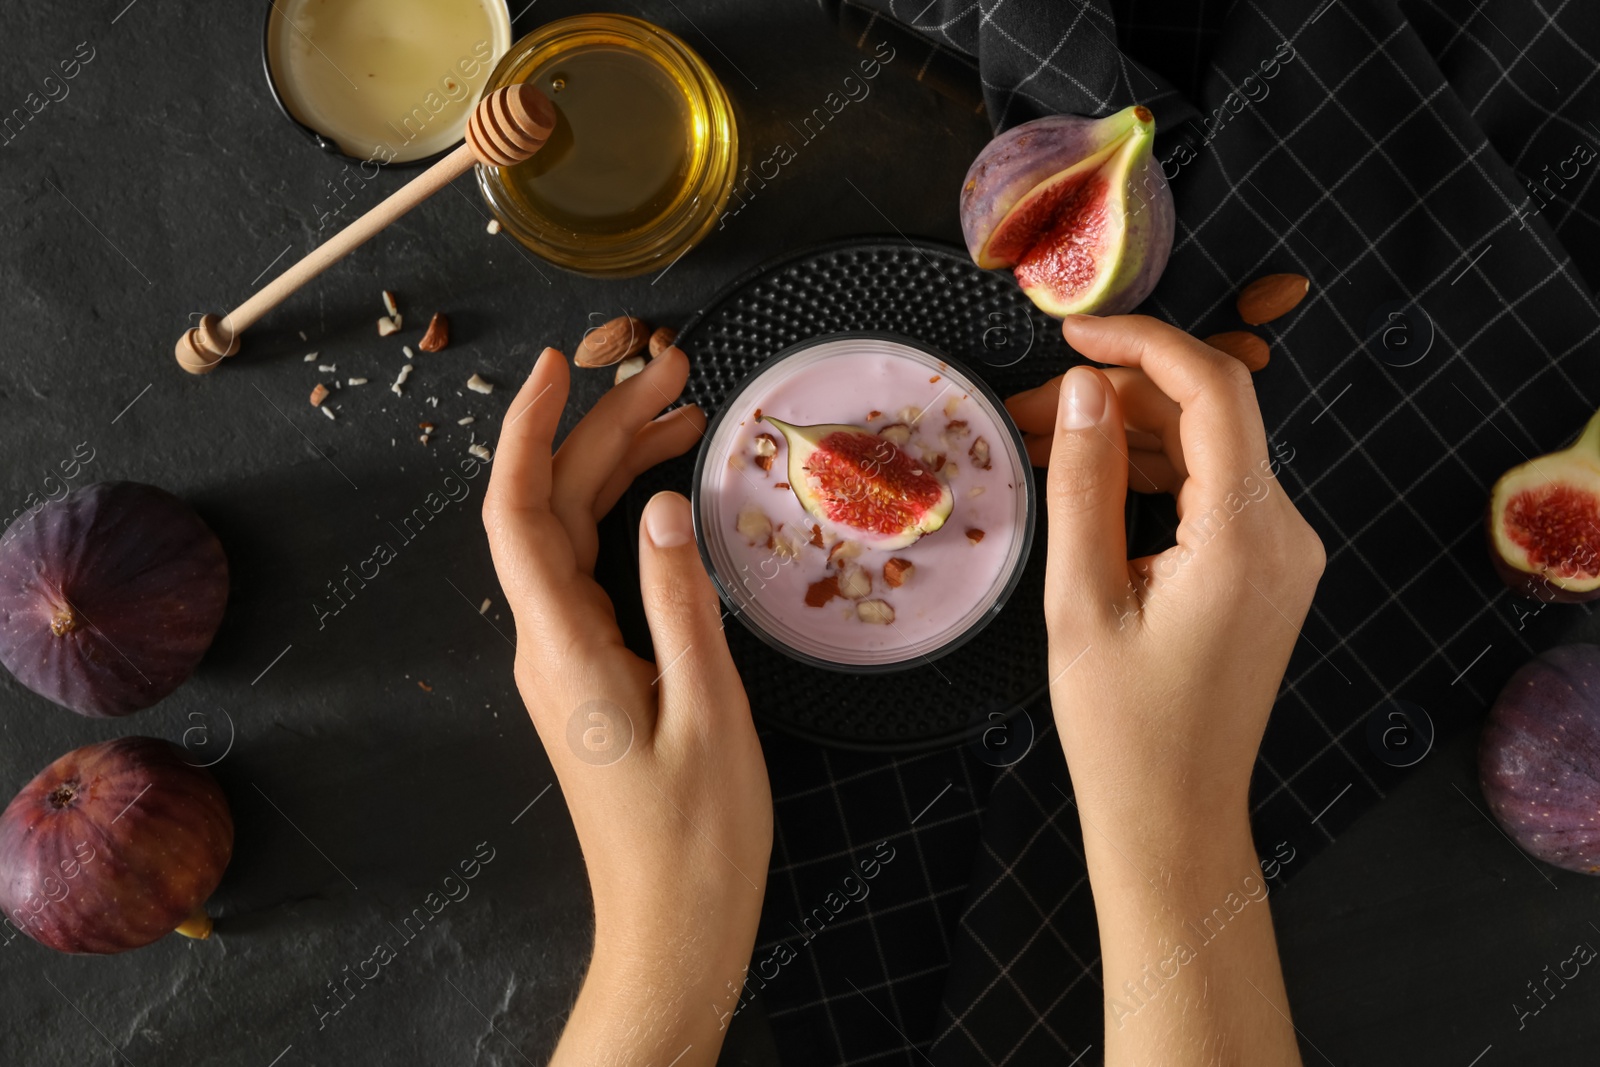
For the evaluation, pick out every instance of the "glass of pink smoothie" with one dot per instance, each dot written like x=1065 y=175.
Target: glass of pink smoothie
x=835 y=585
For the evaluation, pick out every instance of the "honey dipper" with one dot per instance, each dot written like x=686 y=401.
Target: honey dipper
x=506 y=127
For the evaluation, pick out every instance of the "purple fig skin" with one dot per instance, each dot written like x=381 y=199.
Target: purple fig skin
x=1019 y=159
x=1539 y=758
x=112 y=846
x=109 y=597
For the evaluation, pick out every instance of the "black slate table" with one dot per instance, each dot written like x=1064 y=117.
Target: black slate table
x=368 y=752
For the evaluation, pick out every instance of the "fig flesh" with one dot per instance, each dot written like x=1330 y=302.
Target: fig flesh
x=1539 y=758
x=1077 y=207
x=851 y=477
x=114 y=846
x=109 y=597
x=1544 y=523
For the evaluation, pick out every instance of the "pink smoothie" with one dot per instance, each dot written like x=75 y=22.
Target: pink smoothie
x=764 y=546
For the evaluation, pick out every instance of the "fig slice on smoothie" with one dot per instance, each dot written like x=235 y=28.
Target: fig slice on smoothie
x=852 y=477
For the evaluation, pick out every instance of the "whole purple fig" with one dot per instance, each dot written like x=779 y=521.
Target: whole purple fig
x=1539 y=758
x=109 y=597
x=1077 y=207
x=114 y=846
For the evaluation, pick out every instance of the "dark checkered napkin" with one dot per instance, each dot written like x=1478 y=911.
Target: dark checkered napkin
x=1431 y=167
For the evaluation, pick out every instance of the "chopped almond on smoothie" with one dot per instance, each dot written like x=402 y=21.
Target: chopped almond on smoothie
x=766 y=447
x=979 y=452
x=754 y=525
x=821 y=592
x=878 y=611
x=974 y=536
x=854 y=581
x=896 y=433
x=897 y=572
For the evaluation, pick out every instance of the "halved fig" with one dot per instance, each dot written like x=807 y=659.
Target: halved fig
x=1544 y=523
x=852 y=477
x=1077 y=207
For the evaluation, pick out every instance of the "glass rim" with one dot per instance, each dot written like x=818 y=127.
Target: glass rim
x=1025 y=487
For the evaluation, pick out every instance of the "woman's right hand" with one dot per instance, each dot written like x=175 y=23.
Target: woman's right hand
x=1163 y=672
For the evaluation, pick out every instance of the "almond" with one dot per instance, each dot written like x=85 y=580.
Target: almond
x=896 y=433
x=897 y=572
x=843 y=551
x=754 y=525
x=816 y=535
x=854 y=581
x=780 y=485
x=766 y=448
x=956 y=429
x=614 y=342
x=1272 y=297
x=438 y=334
x=664 y=338
x=877 y=611
x=874 y=414
x=979 y=454
x=1243 y=346
x=386 y=326
x=974 y=536
x=819 y=593
x=318 y=395
x=627 y=369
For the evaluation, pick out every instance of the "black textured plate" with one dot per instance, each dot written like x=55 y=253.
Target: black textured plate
x=933 y=293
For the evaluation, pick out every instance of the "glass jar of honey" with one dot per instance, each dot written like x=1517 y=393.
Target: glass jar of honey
x=643 y=157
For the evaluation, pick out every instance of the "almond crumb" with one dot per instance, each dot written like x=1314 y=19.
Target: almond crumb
x=758 y=415
x=318 y=395
x=766 y=448
x=437 y=335
x=753 y=524
x=875 y=611
x=494 y=226
x=979 y=454
x=897 y=572
x=843 y=551
x=897 y=433
x=387 y=326
x=819 y=593
x=874 y=415
x=974 y=536
x=780 y=485
x=426 y=688
x=816 y=535
x=854 y=581
x=478 y=385
x=355 y=381
x=935 y=378
x=957 y=428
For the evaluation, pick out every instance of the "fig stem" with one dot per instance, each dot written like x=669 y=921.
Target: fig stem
x=197 y=926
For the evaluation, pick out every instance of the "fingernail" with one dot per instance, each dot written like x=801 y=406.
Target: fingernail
x=1070 y=321
x=540 y=358
x=1083 y=400
x=667 y=520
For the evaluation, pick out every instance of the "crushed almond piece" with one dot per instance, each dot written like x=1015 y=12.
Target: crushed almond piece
x=819 y=593
x=426 y=688
x=957 y=428
x=974 y=536
x=387 y=326
x=327 y=368
x=390 y=306
x=758 y=415
x=843 y=551
x=328 y=412
x=897 y=572
x=437 y=335
x=405 y=372
x=355 y=381
x=951 y=405
x=311 y=357
x=897 y=433
x=854 y=581
x=494 y=226
x=481 y=451
x=979 y=453
x=753 y=524
x=816 y=535
x=766 y=447
x=484 y=607
x=478 y=385
x=423 y=438
x=318 y=395
x=874 y=415
x=938 y=463
x=425 y=427
x=780 y=485
x=933 y=379
x=467 y=420
x=875 y=611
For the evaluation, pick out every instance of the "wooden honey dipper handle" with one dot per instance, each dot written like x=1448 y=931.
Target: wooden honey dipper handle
x=506 y=127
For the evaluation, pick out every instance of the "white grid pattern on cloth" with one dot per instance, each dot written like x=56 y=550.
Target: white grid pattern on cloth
x=1561 y=269
x=1497 y=403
